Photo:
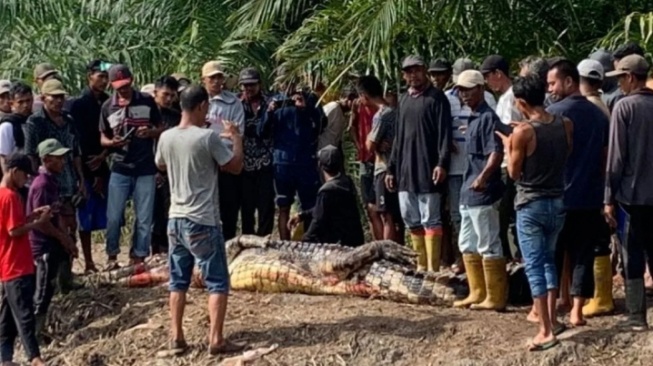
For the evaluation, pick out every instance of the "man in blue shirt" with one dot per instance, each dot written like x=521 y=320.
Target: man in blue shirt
x=481 y=190
x=584 y=177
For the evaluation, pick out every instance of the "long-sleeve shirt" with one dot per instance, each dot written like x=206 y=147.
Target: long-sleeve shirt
x=630 y=153
x=422 y=140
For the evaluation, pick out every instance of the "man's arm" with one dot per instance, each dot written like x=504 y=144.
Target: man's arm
x=353 y=124
x=443 y=126
x=230 y=161
x=617 y=149
x=32 y=140
x=517 y=149
x=39 y=198
x=158 y=156
x=15 y=217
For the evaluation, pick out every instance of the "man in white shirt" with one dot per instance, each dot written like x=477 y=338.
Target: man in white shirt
x=337 y=123
x=12 y=137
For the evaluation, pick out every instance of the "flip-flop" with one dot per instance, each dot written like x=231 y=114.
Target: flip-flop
x=227 y=347
x=559 y=329
x=111 y=265
x=534 y=347
x=581 y=324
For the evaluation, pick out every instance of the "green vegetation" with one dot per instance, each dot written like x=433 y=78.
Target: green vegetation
x=315 y=38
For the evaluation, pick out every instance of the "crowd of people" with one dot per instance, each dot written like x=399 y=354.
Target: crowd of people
x=541 y=175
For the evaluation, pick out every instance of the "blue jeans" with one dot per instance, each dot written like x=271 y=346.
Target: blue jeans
x=141 y=190
x=191 y=242
x=538 y=225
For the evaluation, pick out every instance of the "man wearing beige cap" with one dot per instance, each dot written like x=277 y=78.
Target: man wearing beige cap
x=43 y=72
x=481 y=190
x=591 y=79
x=629 y=180
x=52 y=122
x=5 y=99
x=225 y=107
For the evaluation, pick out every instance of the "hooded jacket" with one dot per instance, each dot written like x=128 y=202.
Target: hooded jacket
x=335 y=218
x=226 y=106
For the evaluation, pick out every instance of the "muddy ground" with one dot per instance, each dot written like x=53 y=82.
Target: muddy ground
x=117 y=326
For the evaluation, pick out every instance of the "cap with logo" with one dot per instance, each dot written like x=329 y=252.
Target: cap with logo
x=590 y=69
x=632 y=64
x=5 y=86
x=249 y=76
x=212 y=68
x=330 y=158
x=43 y=70
x=20 y=162
x=98 y=66
x=470 y=79
x=440 y=65
x=493 y=63
x=119 y=76
x=461 y=65
x=51 y=147
x=412 y=60
x=53 y=87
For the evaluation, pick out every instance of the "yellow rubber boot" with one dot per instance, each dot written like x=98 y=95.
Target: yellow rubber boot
x=433 y=245
x=475 y=280
x=420 y=248
x=601 y=303
x=496 y=285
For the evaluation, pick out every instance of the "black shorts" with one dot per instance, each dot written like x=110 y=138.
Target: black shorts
x=367 y=183
x=386 y=201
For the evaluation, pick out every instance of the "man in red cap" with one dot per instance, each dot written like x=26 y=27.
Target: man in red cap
x=130 y=122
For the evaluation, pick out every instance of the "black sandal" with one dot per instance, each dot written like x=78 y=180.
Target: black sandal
x=227 y=347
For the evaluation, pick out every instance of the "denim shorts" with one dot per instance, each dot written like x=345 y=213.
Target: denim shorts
x=538 y=225
x=192 y=243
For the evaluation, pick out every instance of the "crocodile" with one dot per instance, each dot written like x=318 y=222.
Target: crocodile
x=380 y=269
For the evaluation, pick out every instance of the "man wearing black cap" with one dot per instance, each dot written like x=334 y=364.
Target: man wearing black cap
x=420 y=159
x=85 y=110
x=334 y=218
x=258 y=185
x=496 y=71
x=440 y=73
x=16 y=264
x=129 y=124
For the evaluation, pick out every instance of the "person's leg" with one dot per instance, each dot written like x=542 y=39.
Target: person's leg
x=369 y=200
x=230 y=199
x=554 y=225
x=455 y=182
x=285 y=190
x=144 y=210
x=8 y=331
x=46 y=277
x=382 y=207
x=20 y=292
x=120 y=188
x=160 y=219
x=506 y=208
x=181 y=265
x=265 y=204
x=468 y=245
x=486 y=223
x=85 y=218
x=430 y=212
x=562 y=262
x=602 y=302
x=409 y=207
x=248 y=205
x=581 y=256
x=637 y=234
x=531 y=221
x=307 y=183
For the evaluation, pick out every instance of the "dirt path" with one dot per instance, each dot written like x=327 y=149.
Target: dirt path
x=116 y=326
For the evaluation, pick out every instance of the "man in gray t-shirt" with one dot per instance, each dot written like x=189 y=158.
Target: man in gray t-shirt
x=192 y=155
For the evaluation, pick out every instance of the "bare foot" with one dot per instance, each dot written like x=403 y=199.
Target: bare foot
x=542 y=342
x=533 y=316
x=563 y=307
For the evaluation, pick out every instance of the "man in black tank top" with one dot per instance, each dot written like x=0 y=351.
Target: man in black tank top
x=537 y=152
